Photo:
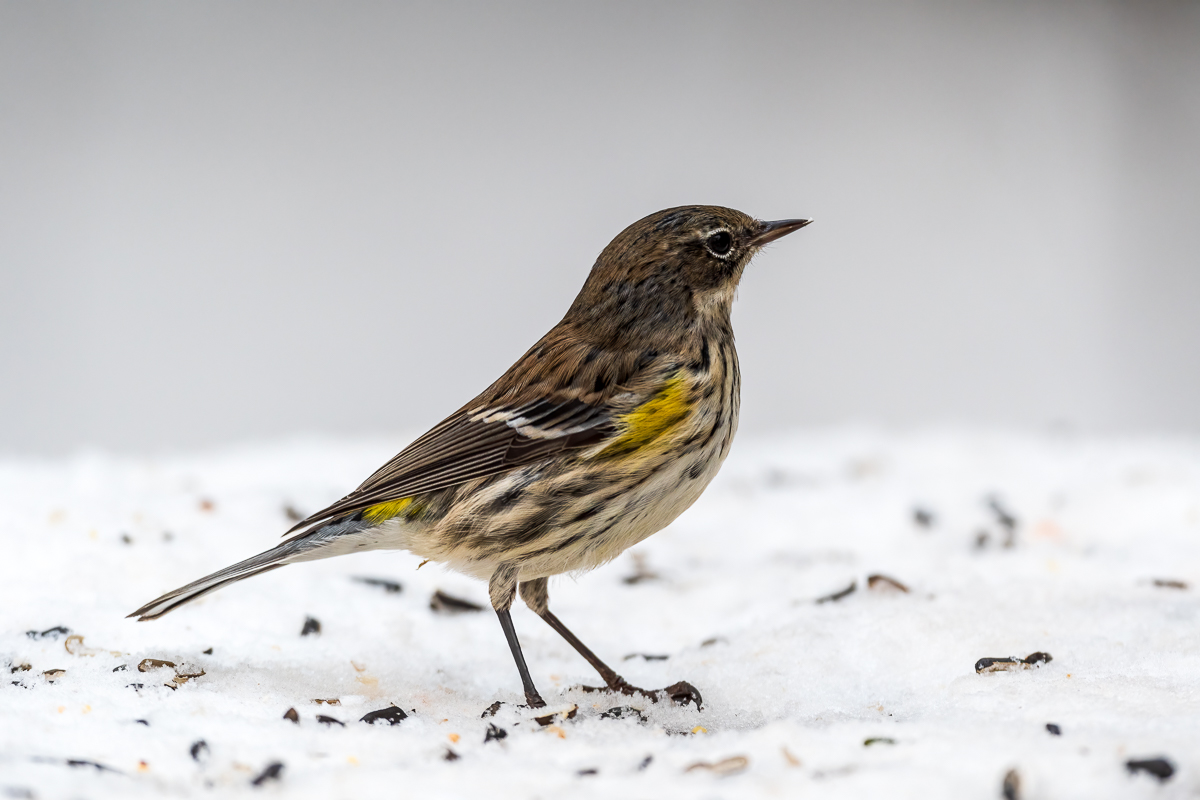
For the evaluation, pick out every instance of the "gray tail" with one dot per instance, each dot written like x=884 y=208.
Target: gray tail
x=256 y=565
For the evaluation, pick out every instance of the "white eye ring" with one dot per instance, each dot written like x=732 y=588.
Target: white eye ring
x=728 y=249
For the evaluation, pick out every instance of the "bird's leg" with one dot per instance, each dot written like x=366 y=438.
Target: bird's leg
x=501 y=589
x=536 y=594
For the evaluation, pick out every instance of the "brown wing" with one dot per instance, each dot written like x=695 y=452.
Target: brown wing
x=470 y=445
x=563 y=394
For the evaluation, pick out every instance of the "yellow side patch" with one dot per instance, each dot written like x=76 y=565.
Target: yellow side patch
x=651 y=420
x=393 y=508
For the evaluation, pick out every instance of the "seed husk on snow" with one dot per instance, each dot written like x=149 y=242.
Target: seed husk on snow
x=81 y=762
x=392 y=715
x=75 y=646
x=1012 y=663
x=49 y=633
x=1160 y=768
x=833 y=598
x=726 y=766
x=391 y=587
x=620 y=712
x=1006 y=520
x=641 y=572
x=882 y=583
x=1010 y=788
x=271 y=773
x=1166 y=583
x=548 y=719
x=449 y=604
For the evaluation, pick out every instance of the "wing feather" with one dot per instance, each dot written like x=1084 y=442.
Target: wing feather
x=518 y=421
x=469 y=445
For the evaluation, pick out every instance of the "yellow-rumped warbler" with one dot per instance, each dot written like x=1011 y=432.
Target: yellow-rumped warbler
x=599 y=436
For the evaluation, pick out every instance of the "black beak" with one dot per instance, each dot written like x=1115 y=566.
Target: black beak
x=770 y=231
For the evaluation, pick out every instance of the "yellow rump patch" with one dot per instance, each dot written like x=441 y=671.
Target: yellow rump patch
x=392 y=508
x=651 y=420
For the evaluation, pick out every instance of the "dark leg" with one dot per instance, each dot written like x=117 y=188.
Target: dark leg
x=609 y=675
x=531 y=694
x=536 y=594
x=501 y=589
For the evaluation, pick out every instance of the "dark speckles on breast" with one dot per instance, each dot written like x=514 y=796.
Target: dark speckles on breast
x=599 y=534
x=712 y=432
x=587 y=513
x=705 y=361
x=557 y=546
x=581 y=488
x=592 y=355
x=506 y=499
x=532 y=526
x=696 y=470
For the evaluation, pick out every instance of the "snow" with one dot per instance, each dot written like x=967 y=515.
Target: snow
x=792 y=687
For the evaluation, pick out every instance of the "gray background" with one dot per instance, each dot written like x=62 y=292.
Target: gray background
x=222 y=221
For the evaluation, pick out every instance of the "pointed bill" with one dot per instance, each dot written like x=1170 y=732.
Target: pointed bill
x=771 y=231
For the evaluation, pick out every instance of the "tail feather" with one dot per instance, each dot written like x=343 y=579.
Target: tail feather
x=349 y=535
x=255 y=565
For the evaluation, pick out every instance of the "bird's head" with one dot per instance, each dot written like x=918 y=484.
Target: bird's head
x=673 y=268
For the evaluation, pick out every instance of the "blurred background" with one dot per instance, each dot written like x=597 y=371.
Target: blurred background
x=225 y=221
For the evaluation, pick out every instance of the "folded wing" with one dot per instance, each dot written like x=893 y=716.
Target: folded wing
x=476 y=444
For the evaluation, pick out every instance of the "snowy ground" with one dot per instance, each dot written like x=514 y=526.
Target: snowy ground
x=793 y=688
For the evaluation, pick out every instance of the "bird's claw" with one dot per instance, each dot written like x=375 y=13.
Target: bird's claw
x=681 y=693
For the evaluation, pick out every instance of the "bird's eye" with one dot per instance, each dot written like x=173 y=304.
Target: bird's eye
x=719 y=243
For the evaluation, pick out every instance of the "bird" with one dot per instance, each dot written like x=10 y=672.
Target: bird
x=600 y=435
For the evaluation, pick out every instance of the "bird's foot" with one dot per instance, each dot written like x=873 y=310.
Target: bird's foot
x=681 y=693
